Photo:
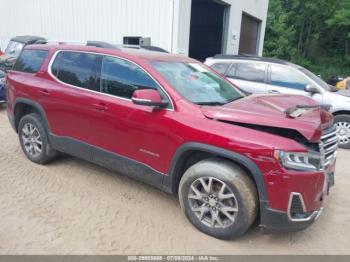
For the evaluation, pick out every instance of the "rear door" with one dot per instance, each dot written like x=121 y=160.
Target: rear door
x=249 y=76
x=68 y=100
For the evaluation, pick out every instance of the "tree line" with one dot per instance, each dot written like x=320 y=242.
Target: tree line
x=312 y=33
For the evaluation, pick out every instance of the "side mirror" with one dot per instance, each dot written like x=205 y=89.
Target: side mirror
x=312 y=89
x=148 y=97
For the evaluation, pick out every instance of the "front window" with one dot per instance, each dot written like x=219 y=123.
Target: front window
x=197 y=84
x=14 y=49
x=121 y=78
x=317 y=79
x=285 y=77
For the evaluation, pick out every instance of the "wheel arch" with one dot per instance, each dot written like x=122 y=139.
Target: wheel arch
x=184 y=152
x=341 y=112
x=24 y=106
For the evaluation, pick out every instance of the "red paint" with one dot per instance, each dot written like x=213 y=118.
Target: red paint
x=120 y=126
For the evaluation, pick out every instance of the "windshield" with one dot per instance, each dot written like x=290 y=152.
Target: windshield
x=317 y=79
x=197 y=84
x=14 y=49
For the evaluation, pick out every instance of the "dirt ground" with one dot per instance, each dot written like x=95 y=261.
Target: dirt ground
x=74 y=207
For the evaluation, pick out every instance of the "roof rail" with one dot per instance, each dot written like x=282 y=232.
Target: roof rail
x=145 y=47
x=221 y=56
x=254 y=58
x=99 y=44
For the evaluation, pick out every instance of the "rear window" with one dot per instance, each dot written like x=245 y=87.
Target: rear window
x=78 y=69
x=248 y=72
x=30 y=61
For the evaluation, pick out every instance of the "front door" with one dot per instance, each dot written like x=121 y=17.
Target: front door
x=286 y=80
x=126 y=135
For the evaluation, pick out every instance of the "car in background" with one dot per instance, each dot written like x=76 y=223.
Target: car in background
x=259 y=75
x=14 y=48
x=344 y=84
x=2 y=87
x=335 y=79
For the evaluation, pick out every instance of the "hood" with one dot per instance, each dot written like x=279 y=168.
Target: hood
x=269 y=111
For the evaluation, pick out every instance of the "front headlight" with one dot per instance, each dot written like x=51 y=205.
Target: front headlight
x=309 y=161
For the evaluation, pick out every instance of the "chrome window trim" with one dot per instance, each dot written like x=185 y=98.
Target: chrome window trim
x=53 y=58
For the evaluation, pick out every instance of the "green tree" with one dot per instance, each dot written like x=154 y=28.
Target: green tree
x=278 y=33
x=315 y=34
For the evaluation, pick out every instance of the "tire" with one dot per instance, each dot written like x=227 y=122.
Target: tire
x=343 y=125
x=31 y=132
x=237 y=182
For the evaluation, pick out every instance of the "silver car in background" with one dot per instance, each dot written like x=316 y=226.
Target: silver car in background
x=259 y=75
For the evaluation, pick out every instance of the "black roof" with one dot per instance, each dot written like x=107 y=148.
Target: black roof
x=27 y=39
x=255 y=58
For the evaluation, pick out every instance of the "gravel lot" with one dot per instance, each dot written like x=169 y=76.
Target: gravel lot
x=74 y=207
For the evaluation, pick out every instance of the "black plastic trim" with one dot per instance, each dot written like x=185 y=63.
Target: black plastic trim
x=107 y=159
x=170 y=182
x=275 y=221
x=35 y=105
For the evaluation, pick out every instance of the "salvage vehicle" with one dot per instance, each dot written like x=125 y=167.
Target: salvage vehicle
x=14 y=48
x=172 y=122
x=261 y=75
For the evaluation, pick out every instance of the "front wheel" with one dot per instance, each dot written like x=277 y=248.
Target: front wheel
x=219 y=198
x=342 y=123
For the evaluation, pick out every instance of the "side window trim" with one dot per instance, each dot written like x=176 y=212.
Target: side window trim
x=171 y=108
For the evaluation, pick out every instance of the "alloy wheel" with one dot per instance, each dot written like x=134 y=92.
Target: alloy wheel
x=31 y=139
x=343 y=131
x=213 y=202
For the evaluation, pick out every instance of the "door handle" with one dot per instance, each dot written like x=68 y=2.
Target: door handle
x=274 y=92
x=100 y=107
x=44 y=92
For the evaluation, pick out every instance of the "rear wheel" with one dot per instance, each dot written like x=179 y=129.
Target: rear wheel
x=342 y=123
x=218 y=198
x=34 y=139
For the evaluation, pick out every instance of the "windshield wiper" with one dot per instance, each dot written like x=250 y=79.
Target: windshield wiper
x=234 y=99
x=210 y=103
x=216 y=103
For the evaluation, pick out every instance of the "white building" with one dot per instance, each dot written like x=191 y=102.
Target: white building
x=199 y=28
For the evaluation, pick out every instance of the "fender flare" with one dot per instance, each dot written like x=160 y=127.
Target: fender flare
x=170 y=181
x=33 y=104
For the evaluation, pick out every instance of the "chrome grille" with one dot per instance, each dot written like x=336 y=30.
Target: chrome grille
x=329 y=145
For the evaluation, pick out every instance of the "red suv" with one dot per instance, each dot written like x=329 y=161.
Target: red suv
x=172 y=122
